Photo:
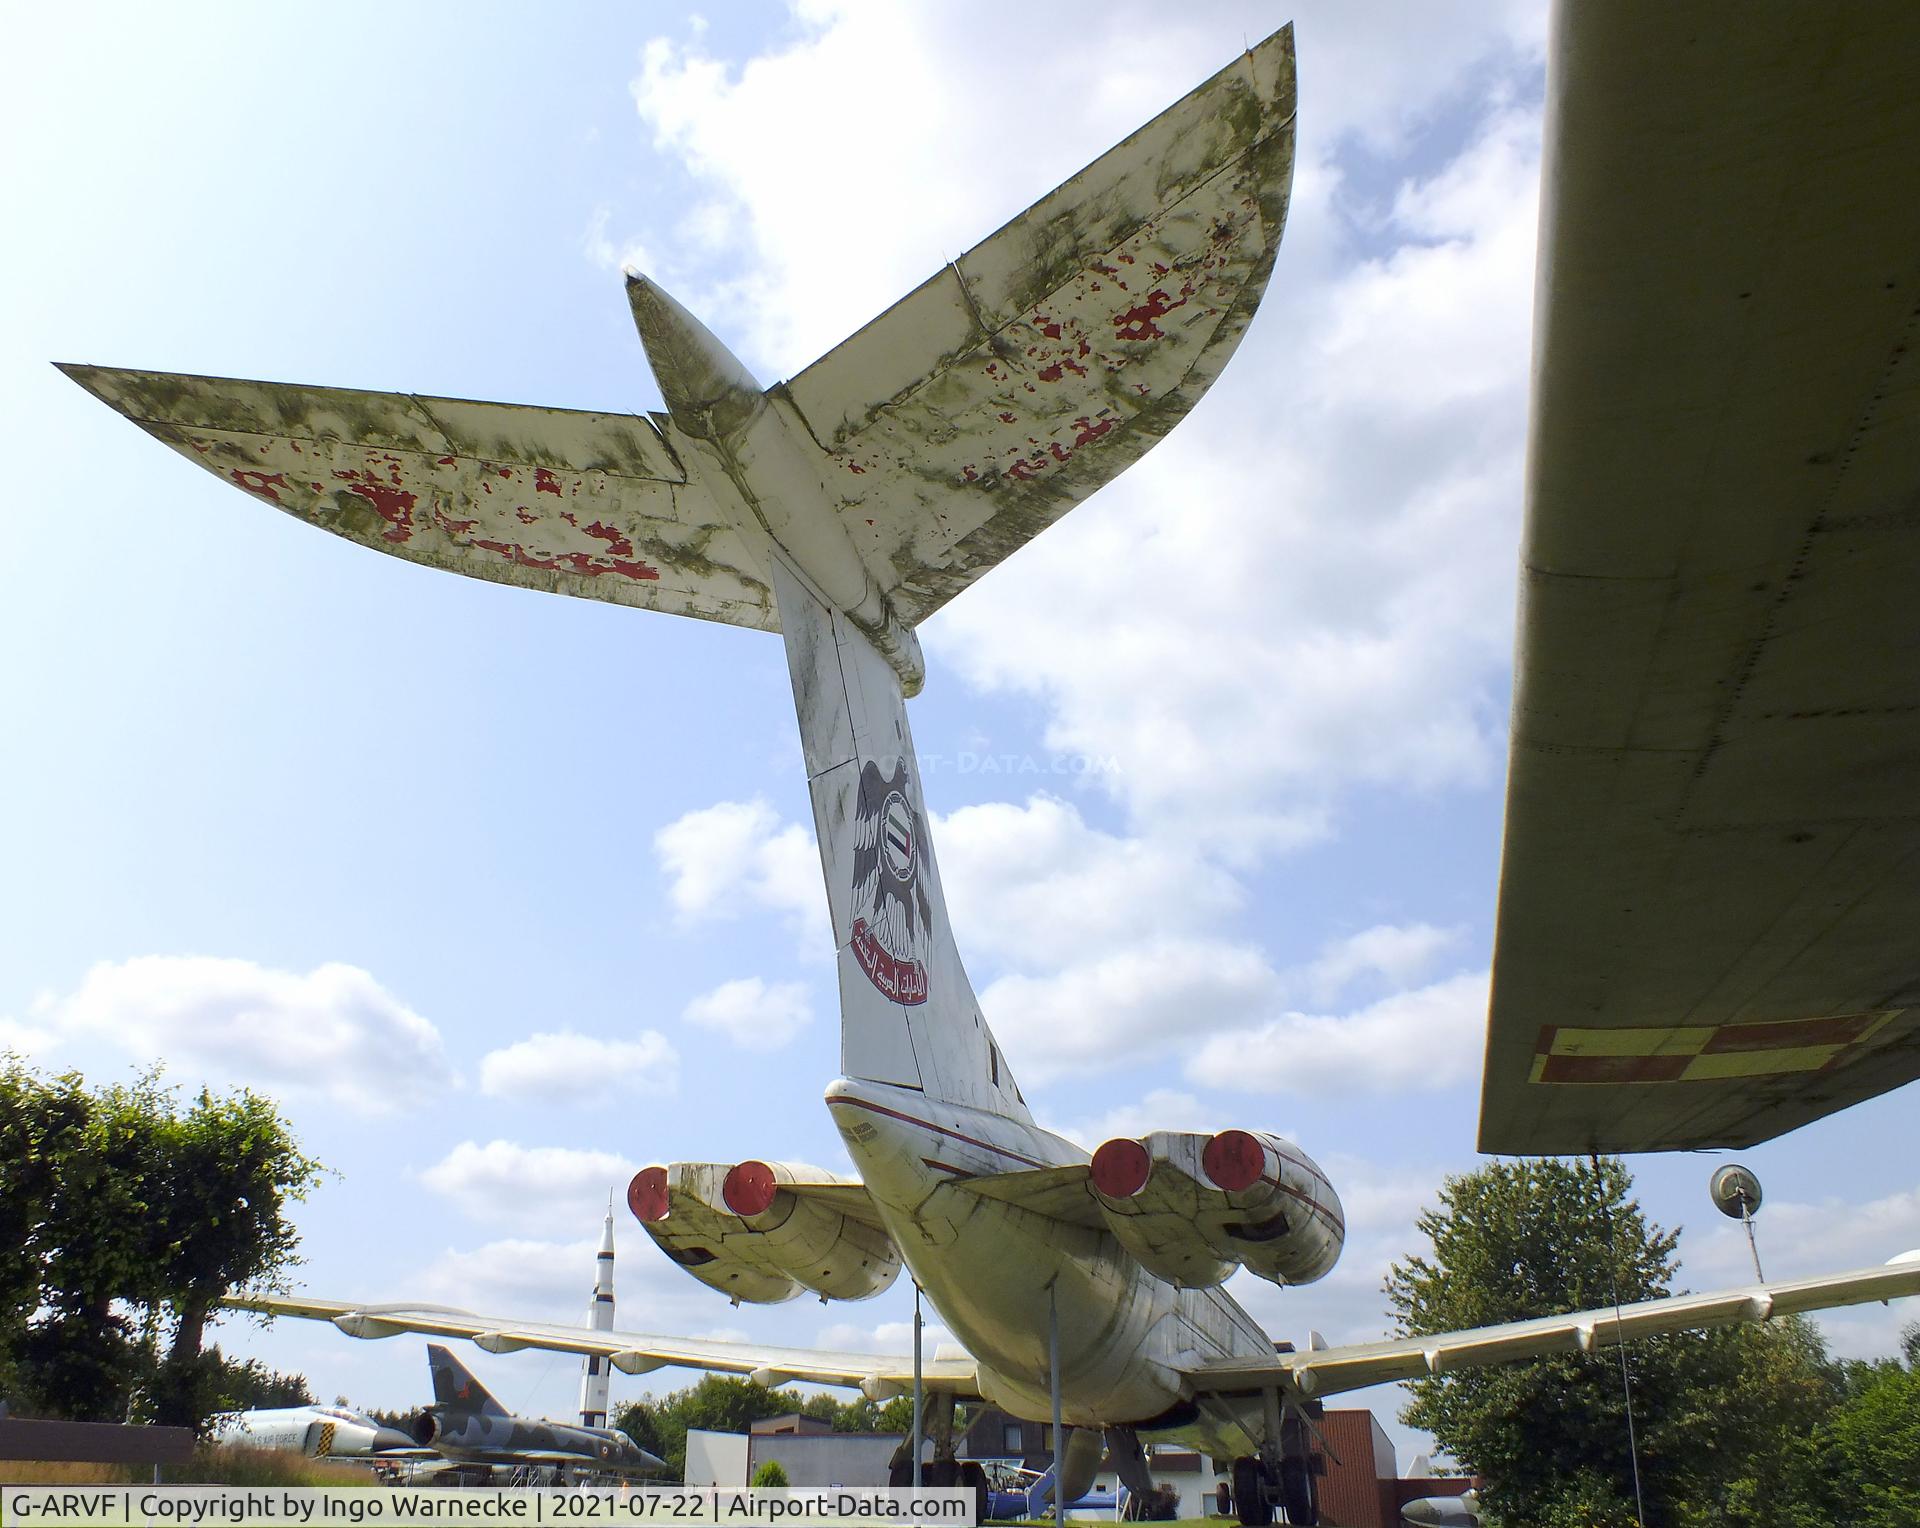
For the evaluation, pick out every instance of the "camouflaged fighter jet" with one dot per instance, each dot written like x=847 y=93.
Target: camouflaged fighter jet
x=466 y=1424
x=1708 y=895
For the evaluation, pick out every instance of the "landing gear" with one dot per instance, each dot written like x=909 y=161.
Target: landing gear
x=973 y=1477
x=1284 y=1470
x=1251 y=1503
x=1299 y=1493
x=1257 y=1485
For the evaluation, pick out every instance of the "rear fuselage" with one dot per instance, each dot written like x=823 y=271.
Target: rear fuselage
x=996 y=1272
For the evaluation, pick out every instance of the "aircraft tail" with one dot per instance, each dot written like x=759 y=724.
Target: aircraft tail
x=456 y=1388
x=908 y=1014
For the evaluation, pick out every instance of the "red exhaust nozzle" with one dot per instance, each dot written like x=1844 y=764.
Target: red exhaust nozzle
x=1121 y=1168
x=647 y=1194
x=1233 y=1160
x=749 y=1189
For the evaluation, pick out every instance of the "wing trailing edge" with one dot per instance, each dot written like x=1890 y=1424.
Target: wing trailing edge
x=876 y=1375
x=1326 y=1371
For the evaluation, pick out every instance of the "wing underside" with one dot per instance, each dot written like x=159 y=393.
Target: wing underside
x=592 y=505
x=1711 y=873
x=878 y=1375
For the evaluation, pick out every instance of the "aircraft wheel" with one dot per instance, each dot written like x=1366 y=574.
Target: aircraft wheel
x=1298 y=1492
x=1250 y=1502
x=973 y=1477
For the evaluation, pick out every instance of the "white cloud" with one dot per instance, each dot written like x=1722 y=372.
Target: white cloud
x=335 y=1032
x=1413 y=1041
x=24 y=1040
x=753 y=1014
x=535 y=1280
x=736 y=854
x=567 y=1067
x=1125 y=1007
x=1035 y=884
x=1396 y=953
x=552 y=1280
x=1161 y=1109
x=531 y=1188
x=886 y=1337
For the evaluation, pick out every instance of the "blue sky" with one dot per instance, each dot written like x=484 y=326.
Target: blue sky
x=1218 y=761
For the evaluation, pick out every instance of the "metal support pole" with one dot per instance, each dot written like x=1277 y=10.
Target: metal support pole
x=1053 y=1379
x=1746 y=1219
x=919 y=1393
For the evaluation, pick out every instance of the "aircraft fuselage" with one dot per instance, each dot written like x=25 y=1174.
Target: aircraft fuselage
x=998 y=1272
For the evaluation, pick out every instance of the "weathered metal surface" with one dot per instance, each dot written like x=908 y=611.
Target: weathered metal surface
x=1711 y=872
x=979 y=409
x=809 y=1231
x=593 y=505
x=1281 y=1220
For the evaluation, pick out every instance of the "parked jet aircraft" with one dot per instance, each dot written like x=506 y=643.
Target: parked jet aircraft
x=318 y=1431
x=1440 y=1511
x=845 y=506
x=466 y=1424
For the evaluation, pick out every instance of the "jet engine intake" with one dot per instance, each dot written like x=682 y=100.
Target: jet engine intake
x=752 y=1231
x=1191 y=1208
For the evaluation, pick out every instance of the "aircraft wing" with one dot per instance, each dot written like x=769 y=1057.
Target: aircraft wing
x=1711 y=871
x=594 y=505
x=876 y=1375
x=981 y=407
x=1326 y=1371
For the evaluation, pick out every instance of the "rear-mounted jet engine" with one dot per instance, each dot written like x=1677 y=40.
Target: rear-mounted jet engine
x=1191 y=1208
x=764 y=1232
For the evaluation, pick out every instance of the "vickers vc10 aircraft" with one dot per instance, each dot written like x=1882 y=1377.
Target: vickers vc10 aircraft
x=843 y=507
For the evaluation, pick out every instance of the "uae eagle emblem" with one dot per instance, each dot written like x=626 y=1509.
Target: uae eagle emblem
x=892 y=921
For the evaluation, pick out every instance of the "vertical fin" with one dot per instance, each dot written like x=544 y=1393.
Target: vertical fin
x=908 y=1015
x=455 y=1387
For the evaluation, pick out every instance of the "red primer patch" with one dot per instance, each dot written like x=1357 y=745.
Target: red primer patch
x=583 y=563
x=616 y=543
x=390 y=501
x=260 y=484
x=1137 y=323
x=545 y=482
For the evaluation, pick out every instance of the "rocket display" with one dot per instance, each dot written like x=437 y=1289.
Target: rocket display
x=596 y=1372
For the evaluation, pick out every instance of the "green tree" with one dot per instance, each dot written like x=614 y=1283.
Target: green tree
x=723 y=1404
x=772 y=1473
x=1720 y=1416
x=1866 y=1455
x=136 y=1216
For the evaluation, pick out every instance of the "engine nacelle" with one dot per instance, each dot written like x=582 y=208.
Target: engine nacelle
x=742 y=1230
x=1190 y=1208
